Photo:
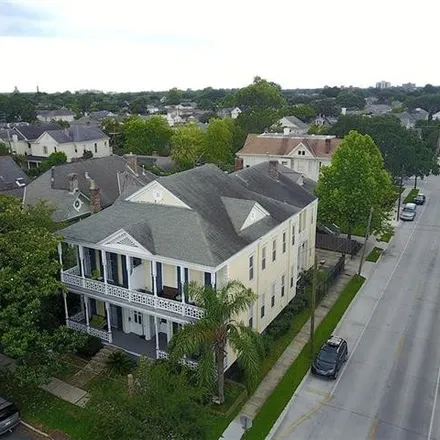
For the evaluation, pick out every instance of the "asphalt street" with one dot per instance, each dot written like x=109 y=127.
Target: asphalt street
x=389 y=387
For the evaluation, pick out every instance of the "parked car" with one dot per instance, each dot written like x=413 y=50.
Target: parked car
x=419 y=199
x=330 y=358
x=408 y=212
x=9 y=416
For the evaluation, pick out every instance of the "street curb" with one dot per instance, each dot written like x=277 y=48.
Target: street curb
x=32 y=428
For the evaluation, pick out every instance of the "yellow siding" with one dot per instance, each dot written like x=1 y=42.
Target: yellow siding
x=169 y=274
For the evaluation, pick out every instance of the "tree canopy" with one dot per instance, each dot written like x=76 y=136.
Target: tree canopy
x=218 y=142
x=29 y=282
x=353 y=183
x=187 y=145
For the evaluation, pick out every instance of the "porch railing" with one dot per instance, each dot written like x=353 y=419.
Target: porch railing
x=184 y=361
x=80 y=327
x=72 y=277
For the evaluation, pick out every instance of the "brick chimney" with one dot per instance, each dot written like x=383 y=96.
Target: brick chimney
x=132 y=162
x=73 y=182
x=327 y=145
x=273 y=169
x=238 y=164
x=95 y=196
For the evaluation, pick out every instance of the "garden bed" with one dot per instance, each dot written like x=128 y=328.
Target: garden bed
x=374 y=255
x=411 y=195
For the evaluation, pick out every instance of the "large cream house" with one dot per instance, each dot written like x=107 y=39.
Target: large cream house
x=134 y=259
x=303 y=154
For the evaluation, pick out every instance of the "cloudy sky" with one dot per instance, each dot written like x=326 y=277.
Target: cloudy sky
x=132 y=45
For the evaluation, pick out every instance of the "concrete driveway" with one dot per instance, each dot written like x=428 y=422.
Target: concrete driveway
x=389 y=387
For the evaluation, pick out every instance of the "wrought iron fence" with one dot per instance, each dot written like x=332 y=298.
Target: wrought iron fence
x=337 y=244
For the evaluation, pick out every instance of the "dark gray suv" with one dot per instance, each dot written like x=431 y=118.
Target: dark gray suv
x=9 y=416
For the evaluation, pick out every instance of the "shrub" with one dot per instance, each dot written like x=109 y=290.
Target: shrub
x=98 y=321
x=119 y=362
x=91 y=346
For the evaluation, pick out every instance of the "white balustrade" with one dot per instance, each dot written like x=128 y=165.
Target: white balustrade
x=162 y=354
x=101 y=334
x=78 y=317
x=72 y=277
x=77 y=326
x=184 y=361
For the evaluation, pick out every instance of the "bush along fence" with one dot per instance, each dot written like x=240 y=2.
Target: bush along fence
x=281 y=324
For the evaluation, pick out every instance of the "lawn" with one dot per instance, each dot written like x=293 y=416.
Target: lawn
x=374 y=255
x=410 y=197
x=386 y=236
x=276 y=402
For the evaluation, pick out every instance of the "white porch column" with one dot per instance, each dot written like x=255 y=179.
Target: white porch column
x=182 y=283
x=81 y=262
x=109 y=324
x=60 y=255
x=65 y=306
x=154 y=272
x=127 y=268
x=86 y=304
x=213 y=279
x=157 y=336
x=104 y=268
x=169 y=330
x=147 y=328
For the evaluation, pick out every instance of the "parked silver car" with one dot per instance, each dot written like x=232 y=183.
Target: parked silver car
x=408 y=212
x=9 y=416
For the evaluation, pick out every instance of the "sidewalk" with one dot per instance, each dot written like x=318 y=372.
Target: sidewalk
x=57 y=387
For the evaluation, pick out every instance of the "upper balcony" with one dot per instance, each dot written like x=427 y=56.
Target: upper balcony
x=168 y=299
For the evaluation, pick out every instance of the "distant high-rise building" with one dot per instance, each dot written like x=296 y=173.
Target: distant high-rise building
x=408 y=87
x=383 y=85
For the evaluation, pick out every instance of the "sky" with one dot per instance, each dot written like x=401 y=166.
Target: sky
x=135 y=45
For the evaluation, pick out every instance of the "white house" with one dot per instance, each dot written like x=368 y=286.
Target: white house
x=62 y=114
x=303 y=154
x=436 y=116
x=293 y=125
x=235 y=113
x=135 y=258
x=73 y=141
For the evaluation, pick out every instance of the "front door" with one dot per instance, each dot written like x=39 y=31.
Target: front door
x=136 y=322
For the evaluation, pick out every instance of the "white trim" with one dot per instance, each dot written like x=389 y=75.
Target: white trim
x=113 y=242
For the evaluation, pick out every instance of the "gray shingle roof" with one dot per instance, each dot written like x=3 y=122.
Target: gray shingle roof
x=55 y=113
x=206 y=233
x=104 y=171
x=32 y=132
x=297 y=122
x=10 y=172
x=77 y=133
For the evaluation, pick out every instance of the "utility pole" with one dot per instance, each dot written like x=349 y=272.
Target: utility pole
x=367 y=234
x=400 y=195
x=313 y=306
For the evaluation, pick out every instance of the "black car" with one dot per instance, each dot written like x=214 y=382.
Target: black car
x=9 y=416
x=419 y=199
x=330 y=358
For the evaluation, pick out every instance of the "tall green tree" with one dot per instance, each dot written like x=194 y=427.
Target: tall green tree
x=261 y=94
x=29 y=280
x=218 y=143
x=218 y=328
x=144 y=136
x=353 y=183
x=187 y=145
x=174 y=96
x=163 y=404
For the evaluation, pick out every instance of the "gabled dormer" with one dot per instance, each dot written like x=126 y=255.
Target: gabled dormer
x=243 y=213
x=300 y=151
x=154 y=192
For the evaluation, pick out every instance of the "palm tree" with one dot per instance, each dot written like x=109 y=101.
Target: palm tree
x=211 y=334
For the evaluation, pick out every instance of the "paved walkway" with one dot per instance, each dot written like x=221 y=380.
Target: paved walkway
x=234 y=431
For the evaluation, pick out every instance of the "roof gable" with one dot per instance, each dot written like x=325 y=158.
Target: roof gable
x=257 y=213
x=122 y=240
x=301 y=150
x=156 y=193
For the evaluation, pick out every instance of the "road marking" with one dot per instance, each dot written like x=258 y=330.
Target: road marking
x=378 y=301
x=304 y=417
x=400 y=346
x=319 y=392
x=373 y=429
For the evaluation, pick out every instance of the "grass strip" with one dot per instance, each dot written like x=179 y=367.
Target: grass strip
x=276 y=402
x=410 y=197
x=374 y=255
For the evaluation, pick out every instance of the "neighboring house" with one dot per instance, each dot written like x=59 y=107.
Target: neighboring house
x=436 y=116
x=377 y=109
x=164 y=163
x=135 y=258
x=62 y=114
x=77 y=189
x=73 y=141
x=12 y=178
x=235 y=113
x=19 y=139
x=291 y=124
x=409 y=119
x=325 y=121
x=152 y=109
x=303 y=154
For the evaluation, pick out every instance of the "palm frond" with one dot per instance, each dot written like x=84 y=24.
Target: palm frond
x=190 y=338
x=237 y=297
x=248 y=344
x=206 y=369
